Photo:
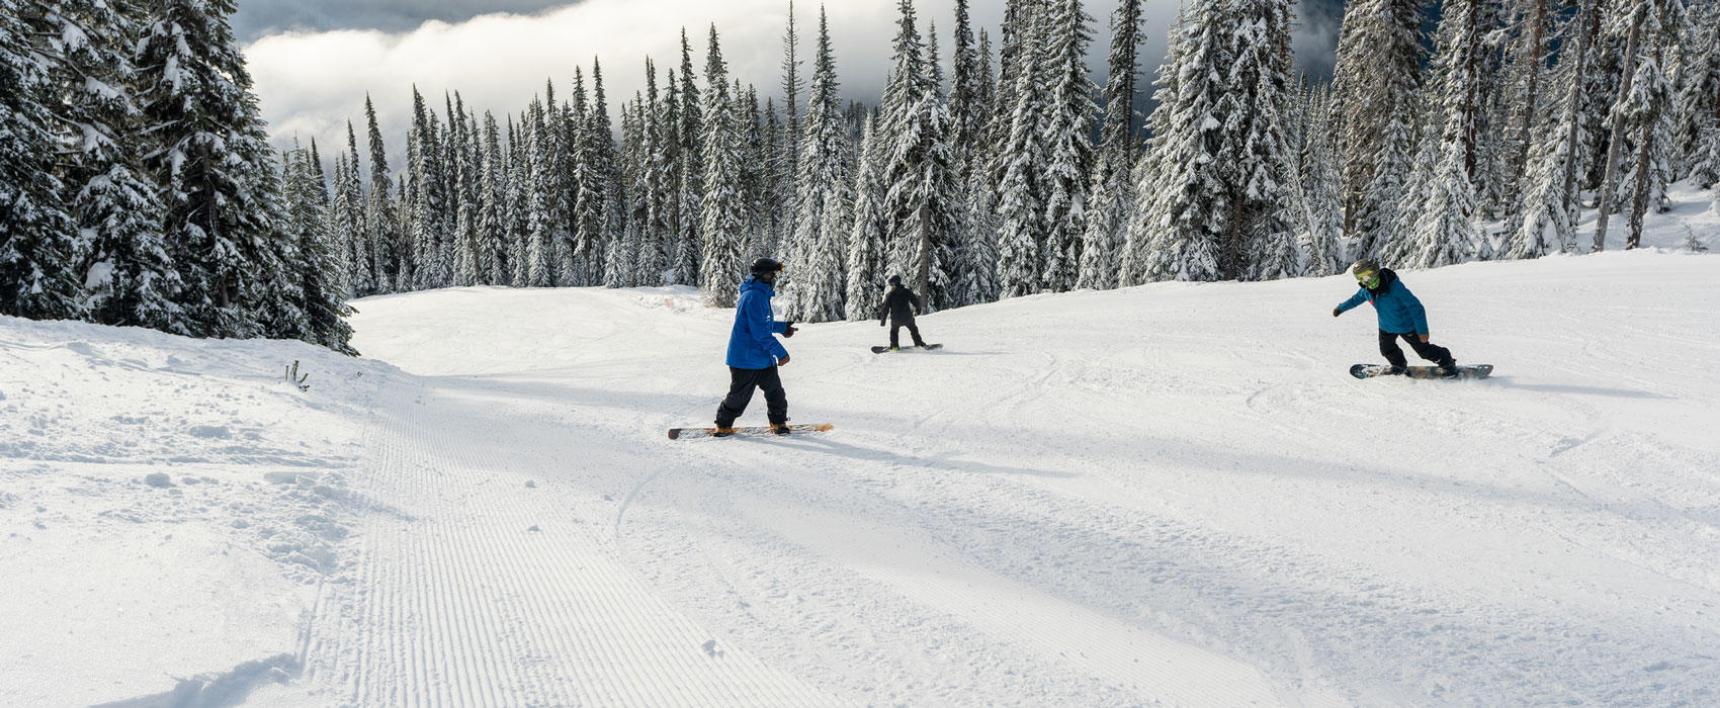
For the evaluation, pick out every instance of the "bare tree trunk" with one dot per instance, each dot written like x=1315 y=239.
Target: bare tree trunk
x=1644 y=180
x=1587 y=31
x=1609 y=177
x=1533 y=64
x=923 y=274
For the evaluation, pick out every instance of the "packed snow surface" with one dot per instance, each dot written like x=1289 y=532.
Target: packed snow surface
x=1169 y=494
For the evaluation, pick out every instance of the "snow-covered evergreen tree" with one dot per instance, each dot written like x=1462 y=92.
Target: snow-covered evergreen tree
x=1068 y=142
x=387 y=239
x=1526 y=85
x=1551 y=191
x=1696 y=129
x=668 y=237
x=349 y=212
x=919 y=205
x=1260 y=242
x=977 y=245
x=1374 y=89
x=1110 y=194
x=723 y=209
x=124 y=267
x=468 y=186
x=38 y=237
x=1445 y=229
x=1647 y=115
x=622 y=254
x=680 y=142
x=816 y=286
x=492 y=220
x=1318 y=187
x=1022 y=190
x=600 y=209
x=540 y=196
x=1183 y=223
x=1145 y=240
x=211 y=157
x=519 y=205
x=757 y=176
x=314 y=264
x=551 y=161
x=865 y=257
x=1418 y=186
x=787 y=167
x=1642 y=18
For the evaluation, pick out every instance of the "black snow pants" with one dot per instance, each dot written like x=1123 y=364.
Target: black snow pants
x=741 y=385
x=896 y=332
x=1434 y=353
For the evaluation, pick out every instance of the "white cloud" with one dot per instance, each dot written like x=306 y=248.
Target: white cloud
x=311 y=83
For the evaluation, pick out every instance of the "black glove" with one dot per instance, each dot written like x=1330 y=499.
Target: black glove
x=1336 y=312
x=880 y=323
x=788 y=329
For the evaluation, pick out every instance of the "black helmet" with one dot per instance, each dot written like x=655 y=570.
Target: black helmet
x=765 y=265
x=895 y=280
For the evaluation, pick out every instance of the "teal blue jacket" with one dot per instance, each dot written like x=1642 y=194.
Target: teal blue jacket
x=1398 y=309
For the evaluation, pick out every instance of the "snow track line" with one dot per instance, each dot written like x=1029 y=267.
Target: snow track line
x=490 y=593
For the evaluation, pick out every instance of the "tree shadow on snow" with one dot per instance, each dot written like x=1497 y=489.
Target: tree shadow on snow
x=1507 y=382
x=219 y=690
x=837 y=449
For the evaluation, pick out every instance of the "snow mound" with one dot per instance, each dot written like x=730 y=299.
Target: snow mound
x=171 y=505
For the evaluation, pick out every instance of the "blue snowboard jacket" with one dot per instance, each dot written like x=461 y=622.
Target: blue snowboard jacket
x=752 y=342
x=1398 y=309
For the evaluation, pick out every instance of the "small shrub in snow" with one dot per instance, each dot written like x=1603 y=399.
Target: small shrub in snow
x=296 y=379
x=1692 y=242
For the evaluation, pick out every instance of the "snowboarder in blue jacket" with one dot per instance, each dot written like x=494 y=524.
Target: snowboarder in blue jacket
x=1401 y=317
x=754 y=352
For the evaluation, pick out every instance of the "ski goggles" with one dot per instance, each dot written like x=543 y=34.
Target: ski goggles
x=1370 y=278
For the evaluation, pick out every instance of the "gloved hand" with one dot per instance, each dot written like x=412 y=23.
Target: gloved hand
x=788 y=329
x=783 y=361
x=880 y=323
x=1336 y=312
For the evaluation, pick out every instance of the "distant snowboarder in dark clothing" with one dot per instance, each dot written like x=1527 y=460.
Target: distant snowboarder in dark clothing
x=1401 y=316
x=900 y=306
x=754 y=353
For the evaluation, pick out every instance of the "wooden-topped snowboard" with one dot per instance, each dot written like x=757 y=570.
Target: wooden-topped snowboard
x=762 y=430
x=1465 y=371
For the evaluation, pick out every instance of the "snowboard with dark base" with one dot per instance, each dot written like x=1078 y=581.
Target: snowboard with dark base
x=1464 y=371
x=928 y=347
x=760 y=431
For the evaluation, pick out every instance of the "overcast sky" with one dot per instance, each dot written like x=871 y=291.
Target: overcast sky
x=314 y=60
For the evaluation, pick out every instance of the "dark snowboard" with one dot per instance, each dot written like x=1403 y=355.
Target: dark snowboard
x=928 y=347
x=1465 y=371
x=696 y=433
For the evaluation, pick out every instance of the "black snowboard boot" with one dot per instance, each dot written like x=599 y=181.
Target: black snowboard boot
x=1397 y=370
x=1448 y=369
x=780 y=428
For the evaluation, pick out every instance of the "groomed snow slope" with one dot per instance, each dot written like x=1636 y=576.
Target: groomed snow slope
x=1169 y=493
x=1165 y=494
